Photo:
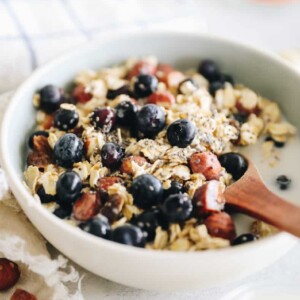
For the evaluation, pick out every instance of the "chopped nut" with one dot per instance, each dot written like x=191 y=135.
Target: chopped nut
x=129 y=164
x=87 y=206
x=209 y=198
x=220 y=225
x=207 y=164
x=106 y=182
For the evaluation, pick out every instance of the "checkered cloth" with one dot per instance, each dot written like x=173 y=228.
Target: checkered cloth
x=33 y=31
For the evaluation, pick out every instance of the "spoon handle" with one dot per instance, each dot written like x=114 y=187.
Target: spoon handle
x=250 y=196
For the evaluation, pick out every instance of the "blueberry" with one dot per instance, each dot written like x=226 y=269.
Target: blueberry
x=65 y=119
x=177 y=208
x=112 y=155
x=244 y=238
x=36 y=133
x=98 y=226
x=209 y=70
x=151 y=119
x=181 y=133
x=126 y=113
x=45 y=198
x=175 y=188
x=62 y=212
x=283 y=182
x=144 y=85
x=123 y=90
x=147 y=221
x=128 y=235
x=50 y=98
x=68 y=150
x=68 y=188
x=240 y=117
x=215 y=86
x=103 y=118
x=277 y=144
x=234 y=163
x=146 y=190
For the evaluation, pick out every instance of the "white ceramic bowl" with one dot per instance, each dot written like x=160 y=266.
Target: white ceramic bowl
x=157 y=270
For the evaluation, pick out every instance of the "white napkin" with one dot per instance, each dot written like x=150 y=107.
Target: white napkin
x=20 y=242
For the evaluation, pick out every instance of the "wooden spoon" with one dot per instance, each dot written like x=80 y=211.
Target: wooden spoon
x=249 y=195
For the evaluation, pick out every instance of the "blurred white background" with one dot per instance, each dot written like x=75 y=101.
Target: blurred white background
x=32 y=31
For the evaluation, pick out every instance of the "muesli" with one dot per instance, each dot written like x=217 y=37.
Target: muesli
x=141 y=153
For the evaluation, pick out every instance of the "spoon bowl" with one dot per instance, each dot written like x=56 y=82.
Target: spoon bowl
x=250 y=196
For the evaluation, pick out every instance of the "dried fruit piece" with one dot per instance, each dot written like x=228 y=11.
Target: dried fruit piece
x=87 y=206
x=163 y=98
x=38 y=159
x=42 y=154
x=142 y=67
x=112 y=207
x=40 y=143
x=128 y=164
x=34 y=134
x=105 y=182
x=209 y=198
x=103 y=118
x=207 y=164
x=80 y=94
x=112 y=155
x=9 y=274
x=20 y=294
x=48 y=121
x=221 y=225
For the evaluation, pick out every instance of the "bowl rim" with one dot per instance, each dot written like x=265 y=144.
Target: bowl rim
x=17 y=184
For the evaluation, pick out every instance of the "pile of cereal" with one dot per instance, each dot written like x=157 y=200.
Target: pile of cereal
x=141 y=153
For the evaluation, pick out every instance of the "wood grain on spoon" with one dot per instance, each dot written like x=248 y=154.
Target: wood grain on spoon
x=250 y=196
